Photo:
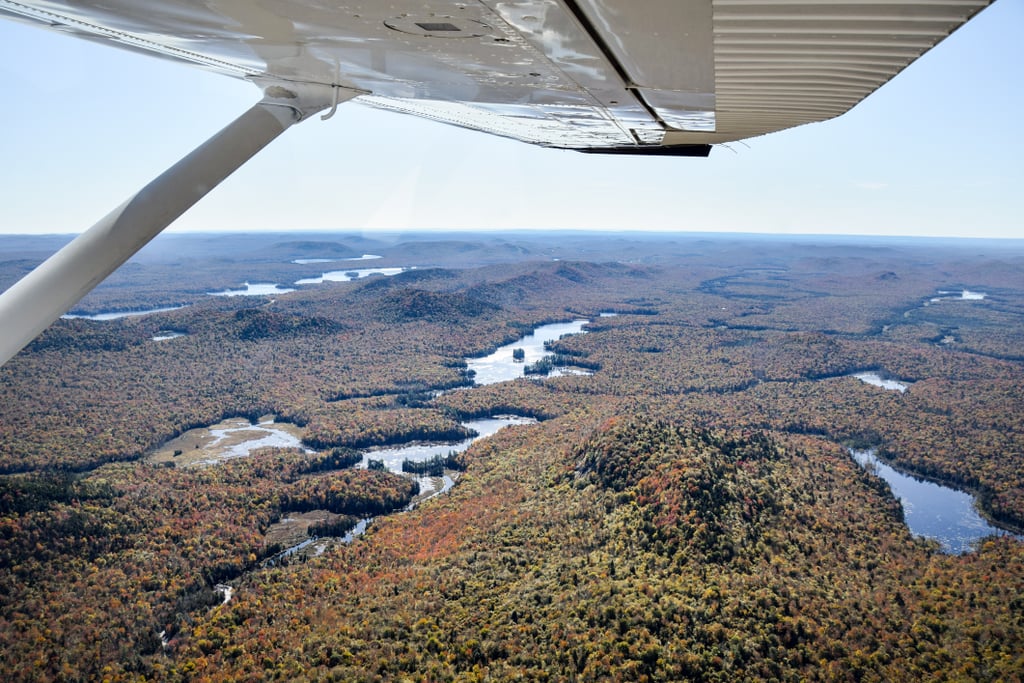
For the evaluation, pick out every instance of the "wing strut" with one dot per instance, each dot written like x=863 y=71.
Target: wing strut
x=49 y=291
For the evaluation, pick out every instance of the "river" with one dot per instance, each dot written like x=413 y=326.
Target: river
x=930 y=510
x=393 y=457
x=495 y=367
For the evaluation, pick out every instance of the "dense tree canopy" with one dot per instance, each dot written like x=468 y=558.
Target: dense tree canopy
x=688 y=511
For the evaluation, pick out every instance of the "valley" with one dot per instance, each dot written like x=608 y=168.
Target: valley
x=681 y=505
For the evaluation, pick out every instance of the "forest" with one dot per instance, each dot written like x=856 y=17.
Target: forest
x=684 y=508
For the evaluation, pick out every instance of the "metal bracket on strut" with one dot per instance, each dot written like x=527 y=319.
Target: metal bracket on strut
x=305 y=99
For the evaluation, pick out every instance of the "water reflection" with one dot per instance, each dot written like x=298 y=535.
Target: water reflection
x=258 y=289
x=393 y=457
x=501 y=367
x=164 y=335
x=933 y=511
x=876 y=380
x=348 y=275
x=364 y=257
x=122 y=314
x=962 y=295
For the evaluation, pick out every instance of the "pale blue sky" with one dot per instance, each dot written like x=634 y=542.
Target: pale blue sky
x=938 y=151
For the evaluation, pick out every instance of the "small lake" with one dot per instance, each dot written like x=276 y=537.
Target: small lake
x=307 y=261
x=349 y=275
x=931 y=510
x=256 y=289
x=876 y=380
x=122 y=314
x=961 y=295
x=165 y=335
x=500 y=367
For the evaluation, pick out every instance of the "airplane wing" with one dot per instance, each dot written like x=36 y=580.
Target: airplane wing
x=658 y=77
x=585 y=74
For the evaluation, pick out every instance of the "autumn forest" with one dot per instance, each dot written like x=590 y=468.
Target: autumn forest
x=677 y=503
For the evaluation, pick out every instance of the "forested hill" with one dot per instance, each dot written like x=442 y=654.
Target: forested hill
x=685 y=508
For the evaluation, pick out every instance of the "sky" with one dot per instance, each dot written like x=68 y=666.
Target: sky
x=938 y=151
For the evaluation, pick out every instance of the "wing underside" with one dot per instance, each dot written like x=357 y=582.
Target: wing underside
x=584 y=74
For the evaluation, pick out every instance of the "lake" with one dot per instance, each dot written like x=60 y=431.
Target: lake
x=500 y=367
x=258 y=289
x=349 y=274
x=114 y=315
x=876 y=380
x=962 y=295
x=932 y=510
x=364 y=257
x=165 y=335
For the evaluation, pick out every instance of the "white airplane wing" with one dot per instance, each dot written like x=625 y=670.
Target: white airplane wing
x=616 y=76
x=563 y=73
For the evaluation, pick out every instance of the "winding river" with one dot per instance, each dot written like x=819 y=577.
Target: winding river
x=498 y=366
x=432 y=486
x=393 y=457
x=495 y=367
